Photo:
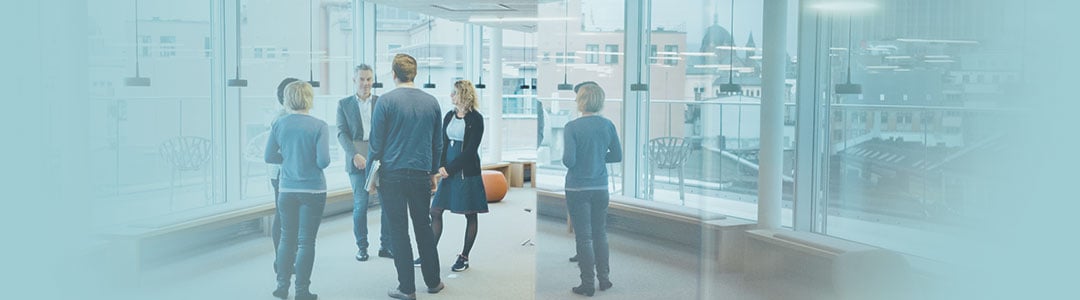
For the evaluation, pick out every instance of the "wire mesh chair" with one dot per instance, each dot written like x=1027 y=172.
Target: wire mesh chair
x=667 y=153
x=186 y=153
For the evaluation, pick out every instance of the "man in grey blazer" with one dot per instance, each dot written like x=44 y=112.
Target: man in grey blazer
x=354 y=128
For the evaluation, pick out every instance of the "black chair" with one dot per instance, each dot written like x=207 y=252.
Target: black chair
x=667 y=153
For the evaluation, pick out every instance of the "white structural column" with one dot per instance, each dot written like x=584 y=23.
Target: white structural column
x=771 y=157
x=494 y=89
x=807 y=158
x=364 y=27
x=472 y=61
x=635 y=103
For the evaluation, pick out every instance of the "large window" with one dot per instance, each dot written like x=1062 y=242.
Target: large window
x=154 y=147
x=903 y=181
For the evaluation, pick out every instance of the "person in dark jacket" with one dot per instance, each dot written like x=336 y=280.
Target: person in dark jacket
x=461 y=189
x=354 y=127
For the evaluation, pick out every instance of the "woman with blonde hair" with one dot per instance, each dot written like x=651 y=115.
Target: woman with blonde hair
x=461 y=189
x=298 y=142
x=590 y=142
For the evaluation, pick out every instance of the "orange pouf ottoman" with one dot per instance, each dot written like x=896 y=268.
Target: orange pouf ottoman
x=494 y=185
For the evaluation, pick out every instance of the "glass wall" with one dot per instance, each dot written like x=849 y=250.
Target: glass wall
x=698 y=130
x=910 y=116
x=578 y=41
x=152 y=118
x=269 y=51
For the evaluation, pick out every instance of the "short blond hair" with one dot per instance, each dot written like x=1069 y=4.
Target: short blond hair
x=299 y=96
x=467 y=94
x=590 y=98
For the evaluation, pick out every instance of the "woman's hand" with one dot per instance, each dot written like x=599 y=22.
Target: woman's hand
x=442 y=172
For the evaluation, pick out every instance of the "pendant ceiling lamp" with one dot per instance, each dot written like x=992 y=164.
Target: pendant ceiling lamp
x=565 y=86
x=138 y=80
x=311 y=44
x=731 y=87
x=237 y=82
x=429 y=84
x=848 y=88
x=525 y=79
x=480 y=79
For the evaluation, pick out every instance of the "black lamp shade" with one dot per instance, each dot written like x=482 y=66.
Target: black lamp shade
x=524 y=86
x=377 y=85
x=314 y=83
x=237 y=82
x=481 y=86
x=566 y=87
x=137 y=81
x=429 y=85
x=639 y=87
x=730 y=88
x=848 y=89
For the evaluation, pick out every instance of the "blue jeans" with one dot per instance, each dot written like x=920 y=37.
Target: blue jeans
x=301 y=214
x=588 y=213
x=361 y=198
x=406 y=194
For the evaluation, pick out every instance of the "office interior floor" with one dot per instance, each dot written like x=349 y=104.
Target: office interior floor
x=515 y=256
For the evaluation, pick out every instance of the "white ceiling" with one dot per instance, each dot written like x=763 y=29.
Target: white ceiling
x=487 y=10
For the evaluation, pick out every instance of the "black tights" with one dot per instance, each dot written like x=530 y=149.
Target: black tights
x=470 y=230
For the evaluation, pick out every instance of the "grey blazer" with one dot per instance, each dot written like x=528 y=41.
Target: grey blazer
x=351 y=130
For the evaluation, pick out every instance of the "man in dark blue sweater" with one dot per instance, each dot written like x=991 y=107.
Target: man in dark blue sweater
x=406 y=141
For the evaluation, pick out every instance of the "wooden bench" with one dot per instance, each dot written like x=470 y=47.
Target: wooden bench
x=663 y=221
x=517 y=173
x=830 y=262
x=501 y=167
x=137 y=243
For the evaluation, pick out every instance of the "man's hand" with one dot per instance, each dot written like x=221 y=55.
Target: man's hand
x=434 y=183
x=359 y=161
x=442 y=173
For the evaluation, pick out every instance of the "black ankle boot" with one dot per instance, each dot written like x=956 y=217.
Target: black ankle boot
x=604 y=285
x=281 y=293
x=587 y=290
x=306 y=296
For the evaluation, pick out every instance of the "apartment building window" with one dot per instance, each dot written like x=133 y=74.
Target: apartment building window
x=653 y=55
x=612 y=56
x=258 y=52
x=271 y=53
x=144 y=45
x=284 y=52
x=207 y=45
x=672 y=59
x=884 y=118
x=168 y=46
x=571 y=57
x=559 y=57
x=592 y=54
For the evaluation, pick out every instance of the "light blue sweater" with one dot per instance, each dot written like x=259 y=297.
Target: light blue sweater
x=590 y=143
x=299 y=142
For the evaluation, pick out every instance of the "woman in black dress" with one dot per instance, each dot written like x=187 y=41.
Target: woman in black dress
x=461 y=189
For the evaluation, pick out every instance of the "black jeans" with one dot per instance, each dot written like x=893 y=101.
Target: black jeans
x=275 y=228
x=588 y=213
x=407 y=193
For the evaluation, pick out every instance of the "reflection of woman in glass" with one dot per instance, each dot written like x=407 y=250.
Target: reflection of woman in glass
x=462 y=189
x=590 y=142
x=300 y=143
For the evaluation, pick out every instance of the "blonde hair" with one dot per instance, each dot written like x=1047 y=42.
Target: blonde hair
x=590 y=98
x=299 y=96
x=467 y=94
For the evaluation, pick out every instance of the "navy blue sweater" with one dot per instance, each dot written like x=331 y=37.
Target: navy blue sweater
x=589 y=143
x=406 y=131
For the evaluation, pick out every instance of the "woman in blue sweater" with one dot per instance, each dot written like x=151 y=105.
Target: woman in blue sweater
x=461 y=189
x=590 y=142
x=299 y=142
